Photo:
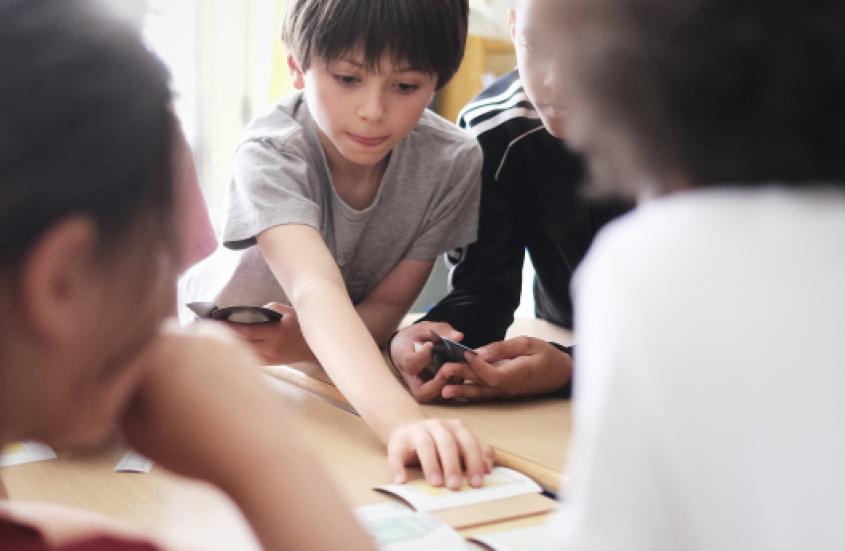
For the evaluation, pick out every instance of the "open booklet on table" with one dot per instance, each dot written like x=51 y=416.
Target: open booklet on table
x=506 y=494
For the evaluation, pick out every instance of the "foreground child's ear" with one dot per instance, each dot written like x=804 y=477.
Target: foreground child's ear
x=296 y=74
x=55 y=276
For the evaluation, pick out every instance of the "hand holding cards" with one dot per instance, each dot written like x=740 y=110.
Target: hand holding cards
x=444 y=351
x=235 y=314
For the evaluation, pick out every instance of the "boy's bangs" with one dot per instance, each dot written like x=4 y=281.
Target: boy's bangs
x=360 y=34
x=421 y=36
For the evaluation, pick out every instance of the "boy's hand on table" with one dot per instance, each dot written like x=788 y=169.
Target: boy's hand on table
x=445 y=449
x=410 y=352
x=276 y=342
x=523 y=366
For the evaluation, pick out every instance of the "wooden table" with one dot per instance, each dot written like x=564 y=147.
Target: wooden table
x=181 y=511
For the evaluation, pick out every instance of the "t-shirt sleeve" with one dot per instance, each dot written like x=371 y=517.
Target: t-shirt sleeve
x=453 y=220
x=270 y=187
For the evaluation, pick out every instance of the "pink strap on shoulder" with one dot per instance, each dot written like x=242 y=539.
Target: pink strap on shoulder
x=198 y=239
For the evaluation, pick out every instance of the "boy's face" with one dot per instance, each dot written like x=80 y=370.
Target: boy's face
x=536 y=29
x=362 y=115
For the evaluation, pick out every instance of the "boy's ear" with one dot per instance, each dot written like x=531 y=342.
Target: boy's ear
x=296 y=74
x=512 y=23
x=54 y=279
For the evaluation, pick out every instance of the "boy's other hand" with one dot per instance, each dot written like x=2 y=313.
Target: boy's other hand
x=276 y=342
x=445 y=449
x=410 y=352
x=523 y=366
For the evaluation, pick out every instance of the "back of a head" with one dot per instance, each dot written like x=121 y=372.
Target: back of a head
x=712 y=91
x=426 y=35
x=85 y=125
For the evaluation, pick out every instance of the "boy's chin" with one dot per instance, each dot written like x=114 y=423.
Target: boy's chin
x=362 y=159
x=555 y=126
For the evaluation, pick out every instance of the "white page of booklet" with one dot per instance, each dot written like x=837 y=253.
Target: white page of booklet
x=394 y=527
x=499 y=484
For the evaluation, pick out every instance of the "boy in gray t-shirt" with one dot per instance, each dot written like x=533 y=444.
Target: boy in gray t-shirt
x=425 y=204
x=341 y=199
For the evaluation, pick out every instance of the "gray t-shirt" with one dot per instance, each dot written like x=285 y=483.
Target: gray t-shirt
x=427 y=202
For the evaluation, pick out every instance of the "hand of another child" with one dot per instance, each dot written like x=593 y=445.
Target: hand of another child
x=276 y=342
x=523 y=366
x=411 y=352
x=445 y=449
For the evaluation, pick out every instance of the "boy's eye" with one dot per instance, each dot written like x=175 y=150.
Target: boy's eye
x=346 y=80
x=406 y=88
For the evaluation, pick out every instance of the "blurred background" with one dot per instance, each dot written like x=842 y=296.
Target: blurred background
x=228 y=66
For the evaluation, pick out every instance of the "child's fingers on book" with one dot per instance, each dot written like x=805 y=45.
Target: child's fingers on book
x=473 y=453
x=427 y=455
x=396 y=453
x=447 y=450
x=489 y=457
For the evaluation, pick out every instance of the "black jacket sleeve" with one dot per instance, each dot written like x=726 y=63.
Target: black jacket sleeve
x=485 y=280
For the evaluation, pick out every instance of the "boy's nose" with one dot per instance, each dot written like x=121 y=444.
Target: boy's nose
x=372 y=107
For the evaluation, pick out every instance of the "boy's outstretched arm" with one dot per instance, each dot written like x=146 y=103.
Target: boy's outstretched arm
x=302 y=263
x=381 y=312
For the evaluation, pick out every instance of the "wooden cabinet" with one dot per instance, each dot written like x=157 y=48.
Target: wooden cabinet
x=485 y=58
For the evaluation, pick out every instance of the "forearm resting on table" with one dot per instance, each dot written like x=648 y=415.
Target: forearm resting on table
x=306 y=500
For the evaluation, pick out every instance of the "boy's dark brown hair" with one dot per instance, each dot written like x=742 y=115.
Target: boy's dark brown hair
x=716 y=91
x=425 y=35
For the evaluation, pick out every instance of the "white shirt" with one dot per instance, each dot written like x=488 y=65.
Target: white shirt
x=710 y=395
